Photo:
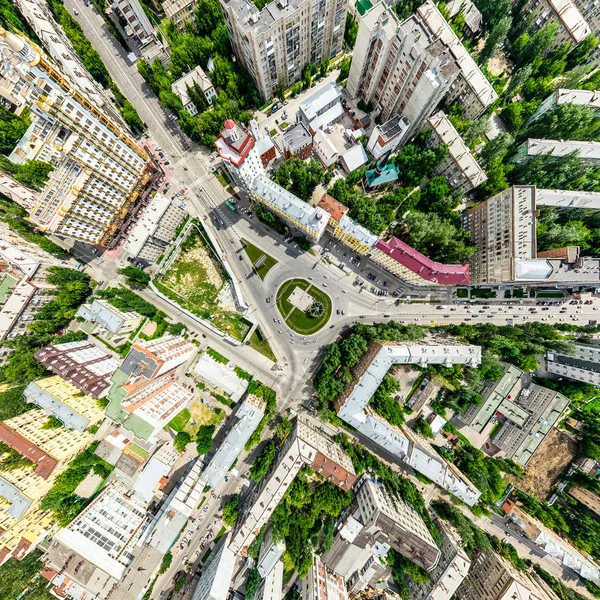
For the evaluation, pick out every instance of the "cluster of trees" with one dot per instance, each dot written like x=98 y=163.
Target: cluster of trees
x=61 y=499
x=231 y=510
x=16 y=218
x=556 y=585
x=403 y=569
x=126 y=300
x=384 y=401
x=423 y=427
x=206 y=38
x=271 y=220
x=93 y=63
x=301 y=517
x=135 y=277
x=31 y=173
x=21 y=578
x=11 y=459
x=204 y=439
x=559 y=227
x=253 y=581
x=299 y=177
x=568 y=518
x=262 y=463
x=351 y=31
x=12 y=128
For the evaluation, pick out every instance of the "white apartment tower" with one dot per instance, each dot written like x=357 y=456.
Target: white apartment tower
x=286 y=35
x=99 y=170
x=408 y=67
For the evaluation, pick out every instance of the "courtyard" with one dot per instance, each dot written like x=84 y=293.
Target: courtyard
x=304 y=307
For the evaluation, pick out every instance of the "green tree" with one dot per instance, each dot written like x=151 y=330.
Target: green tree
x=351 y=31
x=12 y=128
x=280 y=89
x=423 y=427
x=135 y=277
x=252 y=584
x=181 y=440
x=537 y=45
x=262 y=462
x=208 y=16
x=568 y=122
x=204 y=439
x=344 y=66
x=581 y=52
x=384 y=401
x=493 y=11
x=495 y=39
x=230 y=510
x=299 y=176
x=167 y=559
x=32 y=173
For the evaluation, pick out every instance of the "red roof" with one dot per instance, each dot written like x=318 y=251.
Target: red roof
x=424 y=267
x=45 y=463
x=229 y=124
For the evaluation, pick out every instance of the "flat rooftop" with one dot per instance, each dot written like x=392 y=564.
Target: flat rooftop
x=585 y=150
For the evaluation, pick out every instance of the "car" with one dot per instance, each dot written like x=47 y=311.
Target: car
x=343 y=313
x=268 y=300
x=324 y=285
x=76 y=12
x=331 y=326
x=447 y=316
x=226 y=478
x=337 y=312
x=231 y=241
x=240 y=257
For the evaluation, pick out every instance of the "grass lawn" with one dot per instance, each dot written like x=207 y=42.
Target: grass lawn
x=462 y=293
x=221 y=179
x=298 y=320
x=260 y=344
x=482 y=293
x=195 y=280
x=549 y=295
x=273 y=132
x=254 y=254
x=179 y=422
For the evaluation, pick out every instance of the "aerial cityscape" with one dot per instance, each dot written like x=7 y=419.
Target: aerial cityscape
x=299 y=299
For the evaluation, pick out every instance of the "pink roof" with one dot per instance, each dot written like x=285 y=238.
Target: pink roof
x=424 y=267
x=229 y=124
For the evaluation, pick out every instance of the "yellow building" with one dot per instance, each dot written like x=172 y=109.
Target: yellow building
x=64 y=401
x=17 y=537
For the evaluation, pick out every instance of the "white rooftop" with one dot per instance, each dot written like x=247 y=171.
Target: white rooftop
x=565 y=198
x=195 y=76
x=310 y=216
x=589 y=98
x=586 y=150
x=328 y=117
x=571 y=19
x=362 y=234
x=315 y=103
x=147 y=224
x=154 y=470
x=532 y=270
x=222 y=376
x=457 y=149
x=355 y=158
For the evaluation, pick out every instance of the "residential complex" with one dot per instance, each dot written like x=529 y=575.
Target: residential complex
x=155 y=229
x=83 y=364
x=461 y=170
x=572 y=26
x=492 y=577
x=352 y=407
x=527 y=413
x=450 y=571
x=99 y=170
x=589 y=98
x=198 y=80
x=587 y=152
x=583 y=365
x=309 y=444
x=309 y=220
x=138 y=25
x=406 y=68
x=108 y=322
x=277 y=42
x=65 y=402
x=322 y=584
x=23 y=288
x=504 y=231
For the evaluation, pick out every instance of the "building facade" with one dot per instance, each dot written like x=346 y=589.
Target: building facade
x=322 y=584
x=297 y=142
x=276 y=43
x=99 y=170
x=459 y=167
x=179 y=12
x=387 y=137
x=196 y=78
x=583 y=365
x=406 y=68
x=309 y=220
x=138 y=25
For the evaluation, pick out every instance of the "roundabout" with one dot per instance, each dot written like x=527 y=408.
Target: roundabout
x=304 y=307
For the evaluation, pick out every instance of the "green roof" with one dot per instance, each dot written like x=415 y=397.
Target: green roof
x=362 y=6
x=388 y=174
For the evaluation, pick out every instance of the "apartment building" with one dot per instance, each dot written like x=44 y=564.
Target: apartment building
x=527 y=413
x=82 y=364
x=309 y=444
x=358 y=238
x=586 y=497
x=138 y=25
x=583 y=365
x=389 y=520
x=448 y=573
x=64 y=401
x=589 y=98
x=277 y=42
x=91 y=555
x=352 y=407
x=155 y=229
x=309 y=220
x=216 y=575
x=322 y=109
x=590 y=11
x=297 y=142
x=236 y=146
x=198 y=79
x=99 y=170
x=245 y=420
x=406 y=68
x=23 y=288
x=504 y=230
x=462 y=172
x=492 y=577
x=386 y=138
x=179 y=12
x=322 y=584
x=587 y=152
x=19 y=537
x=108 y=322
x=572 y=26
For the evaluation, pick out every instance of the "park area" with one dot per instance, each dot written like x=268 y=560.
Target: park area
x=304 y=307
x=261 y=262
x=198 y=282
x=197 y=415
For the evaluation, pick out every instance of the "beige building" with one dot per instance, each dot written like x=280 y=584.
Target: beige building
x=572 y=26
x=461 y=170
x=179 y=12
x=494 y=578
x=99 y=169
x=408 y=67
x=196 y=77
x=281 y=39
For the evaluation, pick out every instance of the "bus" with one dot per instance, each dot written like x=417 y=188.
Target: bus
x=231 y=206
